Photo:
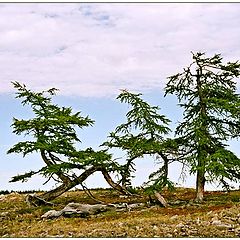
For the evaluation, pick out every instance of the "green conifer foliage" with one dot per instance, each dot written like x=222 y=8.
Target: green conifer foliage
x=53 y=135
x=143 y=134
x=206 y=91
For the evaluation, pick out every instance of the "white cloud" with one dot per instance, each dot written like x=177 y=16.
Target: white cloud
x=96 y=49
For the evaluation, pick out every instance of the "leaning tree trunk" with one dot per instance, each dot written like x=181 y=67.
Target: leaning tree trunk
x=114 y=185
x=50 y=195
x=67 y=185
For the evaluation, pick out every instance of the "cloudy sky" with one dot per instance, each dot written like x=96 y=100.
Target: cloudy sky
x=90 y=51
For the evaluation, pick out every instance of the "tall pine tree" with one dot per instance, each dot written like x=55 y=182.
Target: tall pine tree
x=206 y=91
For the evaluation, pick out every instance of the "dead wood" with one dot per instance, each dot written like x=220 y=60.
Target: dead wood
x=34 y=200
x=84 y=210
x=161 y=199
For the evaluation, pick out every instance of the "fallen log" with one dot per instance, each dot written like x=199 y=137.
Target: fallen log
x=84 y=210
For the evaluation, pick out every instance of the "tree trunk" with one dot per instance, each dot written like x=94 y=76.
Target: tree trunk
x=165 y=164
x=112 y=183
x=200 y=186
x=48 y=162
x=50 y=195
x=200 y=182
x=67 y=185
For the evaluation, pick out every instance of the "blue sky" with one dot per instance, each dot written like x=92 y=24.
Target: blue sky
x=91 y=51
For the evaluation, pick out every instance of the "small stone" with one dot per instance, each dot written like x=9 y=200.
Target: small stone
x=52 y=214
x=209 y=213
x=216 y=222
x=155 y=228
x=121 y=224
x=221 y=225
x=123 y=196
x=5 y=236
x=174 y=217
x=180 y=225
x=4 y=214
x=224 y=226
x=193 y=231
x=121 y=235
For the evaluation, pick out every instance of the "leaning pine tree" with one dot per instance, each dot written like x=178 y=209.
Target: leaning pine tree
x=52 y=134
x=144 y=135
x=207 y=92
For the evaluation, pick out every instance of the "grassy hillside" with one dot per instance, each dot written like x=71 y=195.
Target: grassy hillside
x=217 y=216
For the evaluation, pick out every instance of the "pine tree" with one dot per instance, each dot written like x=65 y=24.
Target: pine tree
x=53 y=135
x=144 y=134
x=206 y=91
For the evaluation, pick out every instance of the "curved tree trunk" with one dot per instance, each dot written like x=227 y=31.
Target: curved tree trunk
x=48 y=162
x=112 y=183
x=67 y=185
x=50 y=195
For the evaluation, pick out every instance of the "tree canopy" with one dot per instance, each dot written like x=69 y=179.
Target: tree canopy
x=206 y=90
x=143 y=134
x=53 y=134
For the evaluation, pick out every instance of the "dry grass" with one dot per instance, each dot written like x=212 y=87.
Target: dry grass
x=183 y=218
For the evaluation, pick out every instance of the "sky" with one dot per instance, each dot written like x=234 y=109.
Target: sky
x=89 y=51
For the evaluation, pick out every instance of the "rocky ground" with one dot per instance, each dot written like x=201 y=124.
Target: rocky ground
x=217 y=216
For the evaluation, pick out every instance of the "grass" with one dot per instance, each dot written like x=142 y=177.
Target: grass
x=183 y=218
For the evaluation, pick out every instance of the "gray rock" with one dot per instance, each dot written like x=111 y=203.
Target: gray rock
x=4 y=214
x=155 y=228
x=174 y=217
x=180 y=225
x=2 y=197
x=221 y=225
x=216 y=222
x=52 y=214
x=224 y=226
x=135 y=205
x=34 y=200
